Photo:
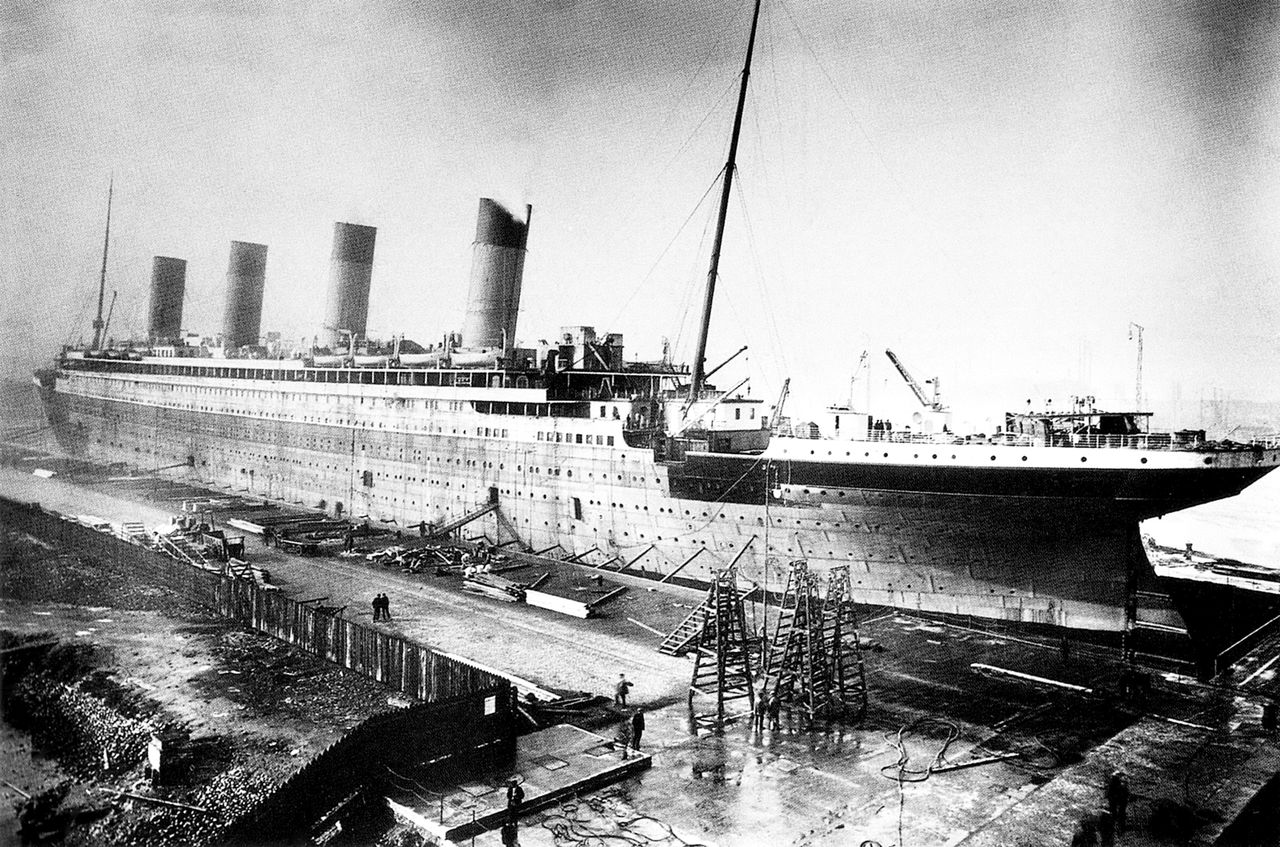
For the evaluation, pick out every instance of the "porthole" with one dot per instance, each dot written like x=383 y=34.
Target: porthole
x=1084 y=458
x=1143 y=460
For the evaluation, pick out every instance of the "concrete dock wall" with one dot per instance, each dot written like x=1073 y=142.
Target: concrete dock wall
x=471 y=728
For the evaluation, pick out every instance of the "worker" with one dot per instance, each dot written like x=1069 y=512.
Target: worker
x=621 y=689
x=624 y=737
x=515 y=797
x=1118 y=798
x=760 y=711
x=386 y=608
x=348 y=541
x=637 y=728
x=510 y=833
x=1107 y=828
x=377 y=606
x=775 y=709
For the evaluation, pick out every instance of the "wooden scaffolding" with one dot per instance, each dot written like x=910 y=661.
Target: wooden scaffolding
x=815 y=666
x=840 y=633
x=722 y=663
x=798 y=670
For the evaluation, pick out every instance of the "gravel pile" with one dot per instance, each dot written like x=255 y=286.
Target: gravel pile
x=236 y=791
x=273 y=677
x=86 y=735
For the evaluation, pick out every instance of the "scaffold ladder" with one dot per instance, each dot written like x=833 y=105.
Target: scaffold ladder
x=840 y=632
x=722 y=663
x=799 y=671
x=680 y=640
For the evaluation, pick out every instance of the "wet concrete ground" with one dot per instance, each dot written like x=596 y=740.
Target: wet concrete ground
x=1182 y=742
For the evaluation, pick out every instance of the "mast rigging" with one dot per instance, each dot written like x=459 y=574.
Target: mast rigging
x=699 y=359
x=102 y=280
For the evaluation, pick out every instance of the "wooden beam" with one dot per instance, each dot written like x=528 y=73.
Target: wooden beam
x=656 y=632
x=646 y=552
x=575 y=559
x=700 y=551
x=606 y=598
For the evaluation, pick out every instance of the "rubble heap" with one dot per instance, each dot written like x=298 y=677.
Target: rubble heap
x=87 y=735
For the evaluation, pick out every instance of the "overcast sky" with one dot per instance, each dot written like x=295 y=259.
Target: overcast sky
x=994 y=190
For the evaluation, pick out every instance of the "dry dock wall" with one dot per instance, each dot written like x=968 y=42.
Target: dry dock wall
x=463 y=731
x=408 y=667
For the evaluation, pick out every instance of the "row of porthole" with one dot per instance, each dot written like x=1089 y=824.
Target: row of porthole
x=1208 y=459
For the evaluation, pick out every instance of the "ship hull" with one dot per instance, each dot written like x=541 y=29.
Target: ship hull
x=1023 y=546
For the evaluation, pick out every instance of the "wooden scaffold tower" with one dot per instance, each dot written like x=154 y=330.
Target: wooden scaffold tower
x=798 y=668
x=840 y=632
x=722 y=664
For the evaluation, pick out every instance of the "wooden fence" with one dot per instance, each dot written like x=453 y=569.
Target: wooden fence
x=401 y=664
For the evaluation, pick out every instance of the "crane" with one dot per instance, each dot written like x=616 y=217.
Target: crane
x=857 y=369
x=782 y=401
x=936 y=403
x=1135 y=333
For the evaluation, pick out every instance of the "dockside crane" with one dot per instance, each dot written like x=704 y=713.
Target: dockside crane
x=936 y=403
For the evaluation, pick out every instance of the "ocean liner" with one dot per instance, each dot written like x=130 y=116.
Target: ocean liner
x=644 y=464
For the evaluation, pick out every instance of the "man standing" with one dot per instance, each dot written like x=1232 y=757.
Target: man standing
x=386 y=608
x=775 y=709
x=621 y=689
x=624 y=738
x=1118 y=799
x=515 y=797
x=377 y=606
x=637 y=728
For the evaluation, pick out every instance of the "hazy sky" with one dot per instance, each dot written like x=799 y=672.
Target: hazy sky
x=995 y=190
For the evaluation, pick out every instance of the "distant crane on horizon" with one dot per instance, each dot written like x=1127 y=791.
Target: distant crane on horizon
x=1135 y=332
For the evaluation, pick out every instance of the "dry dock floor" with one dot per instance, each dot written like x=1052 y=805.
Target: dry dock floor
x=1185 y=745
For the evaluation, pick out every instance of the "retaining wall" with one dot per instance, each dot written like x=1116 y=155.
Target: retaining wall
x=404 y=665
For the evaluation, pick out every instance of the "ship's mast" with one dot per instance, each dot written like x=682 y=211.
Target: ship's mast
x=699 y=359
x=102 y=281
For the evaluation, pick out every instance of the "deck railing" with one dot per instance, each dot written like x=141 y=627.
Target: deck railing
x=1153 y=441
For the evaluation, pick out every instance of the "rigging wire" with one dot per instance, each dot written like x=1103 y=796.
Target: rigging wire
x=636 y=290
x=843 y=102
x=706 y=60
x=713 y=109
x=688 y=301
x=762 y=287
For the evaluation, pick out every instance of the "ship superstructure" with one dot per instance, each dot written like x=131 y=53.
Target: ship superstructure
x=642 y=463
x=579 y=448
